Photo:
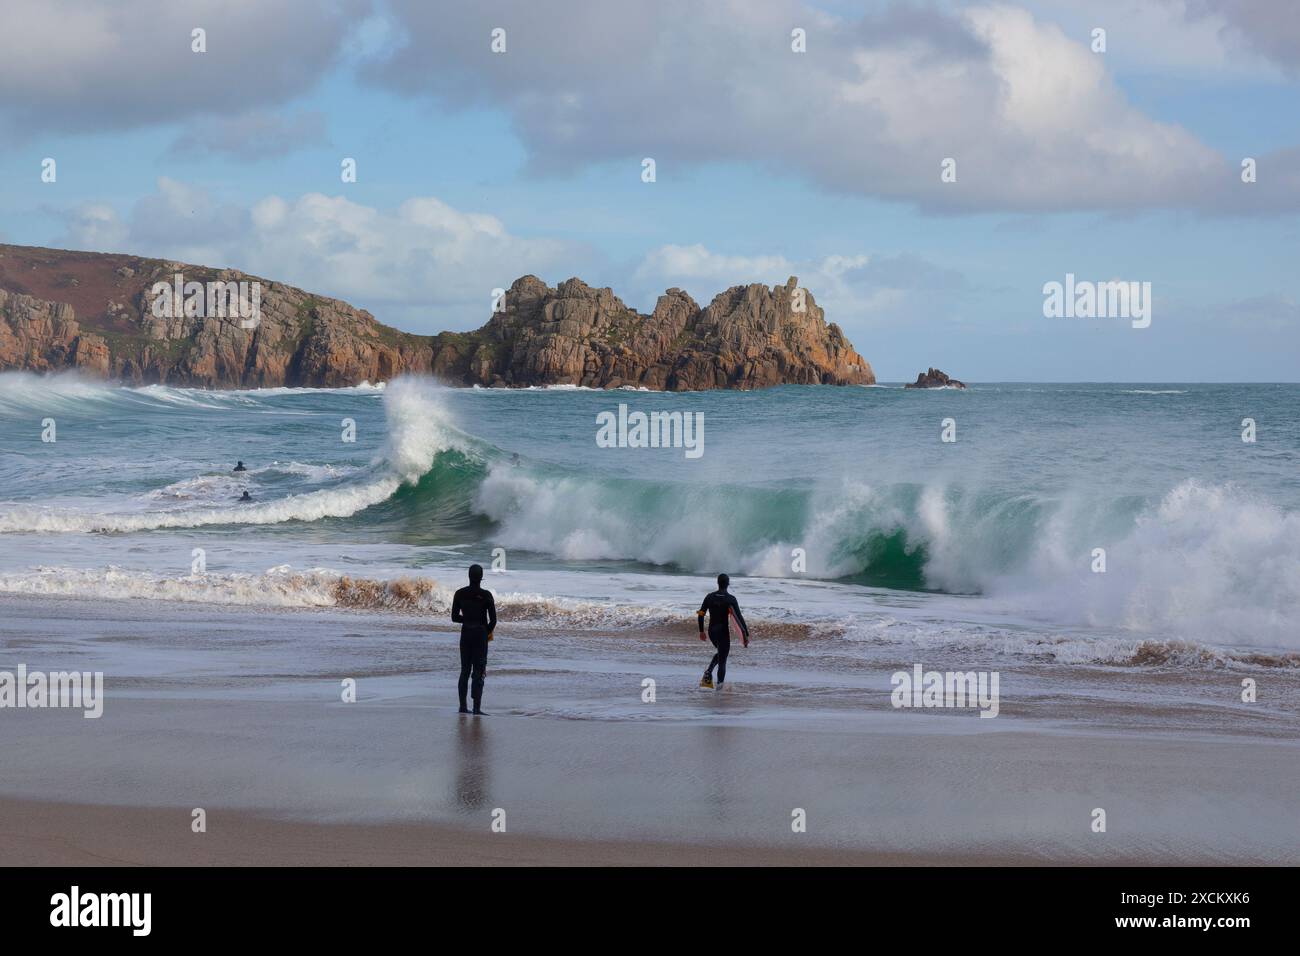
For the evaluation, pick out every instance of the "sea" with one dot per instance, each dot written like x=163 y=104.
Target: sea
x=1125 y=557
x=1092 y=523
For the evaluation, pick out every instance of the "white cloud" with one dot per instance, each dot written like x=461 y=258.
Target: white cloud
x=1168 y=37
x=1035 y=120
x=95 y=225
x=696 y=263
x=424 y=266
x=1269 y=28
x=1032 y=116
x=857 y=291
x=71 y=65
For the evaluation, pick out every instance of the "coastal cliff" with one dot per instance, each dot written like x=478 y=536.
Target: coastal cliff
x=96 y=312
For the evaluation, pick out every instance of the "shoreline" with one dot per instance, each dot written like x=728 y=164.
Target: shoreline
x=240 y=712
x=46 y=834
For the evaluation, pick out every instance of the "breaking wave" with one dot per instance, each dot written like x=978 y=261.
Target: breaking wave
x=326 y=588
x=418 y=432
x=1203 y=562
x=426 y=597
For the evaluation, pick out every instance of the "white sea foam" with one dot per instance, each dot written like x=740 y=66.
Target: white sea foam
x=310 y=472
x=24 y=391
x=282 y=586
x=418 y=428
x=1206 y=562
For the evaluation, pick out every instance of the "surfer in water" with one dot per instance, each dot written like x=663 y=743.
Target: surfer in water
x=247 y=497
x=474 y=610
x=720 y=606
x=239 y=466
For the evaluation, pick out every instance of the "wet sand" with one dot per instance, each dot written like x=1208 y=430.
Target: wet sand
x=238 y=711
x=58 y=834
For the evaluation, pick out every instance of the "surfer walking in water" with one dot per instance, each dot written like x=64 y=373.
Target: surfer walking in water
x=721 y=608
x=474 y=610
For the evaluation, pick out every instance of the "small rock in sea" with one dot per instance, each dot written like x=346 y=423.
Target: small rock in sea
x=933 y=378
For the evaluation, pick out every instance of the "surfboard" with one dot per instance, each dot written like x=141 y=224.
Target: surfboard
x=736 y=630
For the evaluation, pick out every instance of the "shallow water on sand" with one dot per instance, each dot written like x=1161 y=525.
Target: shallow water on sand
x=242 y=708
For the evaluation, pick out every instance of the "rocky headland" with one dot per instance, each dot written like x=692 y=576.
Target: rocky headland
x=98 y=312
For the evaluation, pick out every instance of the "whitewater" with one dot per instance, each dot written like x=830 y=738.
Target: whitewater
x=837 y=511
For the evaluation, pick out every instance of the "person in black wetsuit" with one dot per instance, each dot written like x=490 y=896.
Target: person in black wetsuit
x=239 y=466
x=476 y=613
x=718 y=605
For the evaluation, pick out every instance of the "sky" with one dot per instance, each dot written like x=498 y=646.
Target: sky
x=787 y=138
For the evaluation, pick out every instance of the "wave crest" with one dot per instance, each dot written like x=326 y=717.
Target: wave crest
x=418 y=431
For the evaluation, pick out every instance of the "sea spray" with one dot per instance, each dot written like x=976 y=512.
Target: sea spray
x=419 y=427
x=418 y=430
x=1011 y=523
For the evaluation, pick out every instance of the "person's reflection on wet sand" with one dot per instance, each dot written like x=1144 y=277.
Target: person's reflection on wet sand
x=471 y=765
x=718 y=742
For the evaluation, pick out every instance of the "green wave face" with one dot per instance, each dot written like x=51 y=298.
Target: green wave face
x=881 y=540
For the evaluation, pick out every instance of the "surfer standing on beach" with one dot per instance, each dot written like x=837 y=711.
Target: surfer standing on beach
x=474 y=610
x=721 y=607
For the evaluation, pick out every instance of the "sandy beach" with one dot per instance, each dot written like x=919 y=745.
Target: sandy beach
x=57 y=834
x=238 y=711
